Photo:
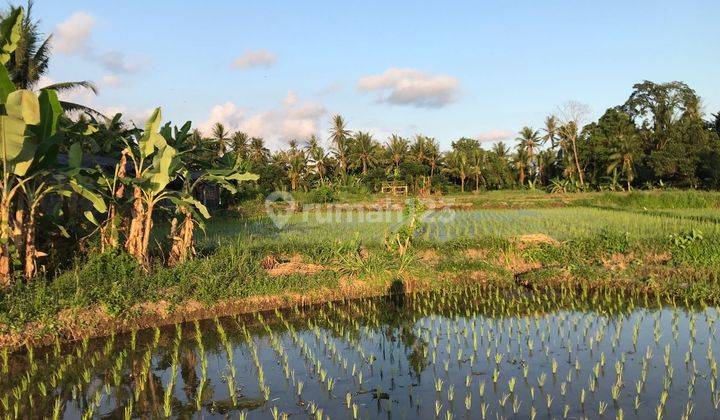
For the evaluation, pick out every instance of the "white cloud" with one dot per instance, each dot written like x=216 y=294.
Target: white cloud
x=405 y=86
x=291 y=98
x=495 y=135
x=292 y=119
x=118 y=62
x=72 y=34
x=255 y=58
x=111 y=80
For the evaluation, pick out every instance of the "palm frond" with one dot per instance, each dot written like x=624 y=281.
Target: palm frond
x=68 y=86
x=73 y=107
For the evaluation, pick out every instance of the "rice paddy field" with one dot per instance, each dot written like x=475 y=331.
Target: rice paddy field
x=440 y=225
x=474 y=352
x=605 y=308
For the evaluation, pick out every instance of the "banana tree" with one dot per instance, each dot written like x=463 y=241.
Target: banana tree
x=156 y=164
x=192 y=211
x=29 y=138
x=182 y=237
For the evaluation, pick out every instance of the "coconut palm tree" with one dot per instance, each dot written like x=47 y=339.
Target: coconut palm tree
x=419 y=148
x=257 y=152
x=529 y=140
x=545 y=161
x=364 y=150
x=339 y=137
x=551 y=131
x=501 y=149
x=317 y=158
x=623 y=157
x=433 y=156
x=240 y=142
x=221 y=137
x=521 y=163
x=31 y=59
x=477 y=160
x=397 y=149
x=457 y=164
x=295 y=162
x=569 y=134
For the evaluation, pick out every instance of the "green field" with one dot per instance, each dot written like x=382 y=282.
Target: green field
x=587 y=241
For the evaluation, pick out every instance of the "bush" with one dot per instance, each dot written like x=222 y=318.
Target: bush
x=322 y=194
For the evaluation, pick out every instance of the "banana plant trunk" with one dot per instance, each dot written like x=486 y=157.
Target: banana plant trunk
x=5 y=231
x=135 y=236
x=183 y=241
x=146 y=234
x=31 y=253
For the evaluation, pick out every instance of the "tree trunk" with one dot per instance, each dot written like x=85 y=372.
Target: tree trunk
x=577 y=163
x=182 y=240
x=5 y=243
x=146 y=234
x=522 y=177
x=462 y=184
x=134 y=240
x=477 y=181
x=31 y=253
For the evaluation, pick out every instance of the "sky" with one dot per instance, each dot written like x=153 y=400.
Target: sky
x=281 y=69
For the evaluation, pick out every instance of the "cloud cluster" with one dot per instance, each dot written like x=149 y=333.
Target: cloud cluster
x=495 y=135
x=292 y=119
x=73 y=35
x=405 y=86
x=254 y=59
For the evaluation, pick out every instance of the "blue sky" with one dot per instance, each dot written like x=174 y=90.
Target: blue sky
x=476 y=69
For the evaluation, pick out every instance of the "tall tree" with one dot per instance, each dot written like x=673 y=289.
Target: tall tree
x=573 y=116
x=551 y=131
x=221 y=137
x=397 y=149
x=339 y=136
x=458 y=165
x=364 y=150
x=317 y=158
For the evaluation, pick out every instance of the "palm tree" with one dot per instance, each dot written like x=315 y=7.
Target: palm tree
x=457 y=162
x=419 y=148
x=397 y=149
x=257 y=151
x=220 y=136
x=317 y=157
x=477 y=158
x=529 y=140
x=240 y=142
x=545 y=161
x=432 y=154
x=31 y=59
x=364 y=150
x=551 y=130
x=521 y=163
x=339 y=136
x=623 y=157
x=501 y=149
x=569 y=135
x=296 y=164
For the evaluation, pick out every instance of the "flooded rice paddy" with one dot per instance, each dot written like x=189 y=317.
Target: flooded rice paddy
x=469 y=353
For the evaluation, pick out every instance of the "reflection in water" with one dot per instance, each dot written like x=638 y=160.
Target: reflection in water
x=475 y=352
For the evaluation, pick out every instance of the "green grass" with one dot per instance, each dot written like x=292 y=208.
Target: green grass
x=635 y=225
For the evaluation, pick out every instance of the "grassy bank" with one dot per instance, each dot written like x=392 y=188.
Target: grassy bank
x=667 y=251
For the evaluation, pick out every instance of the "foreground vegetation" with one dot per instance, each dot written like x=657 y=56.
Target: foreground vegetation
x=669 y=252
